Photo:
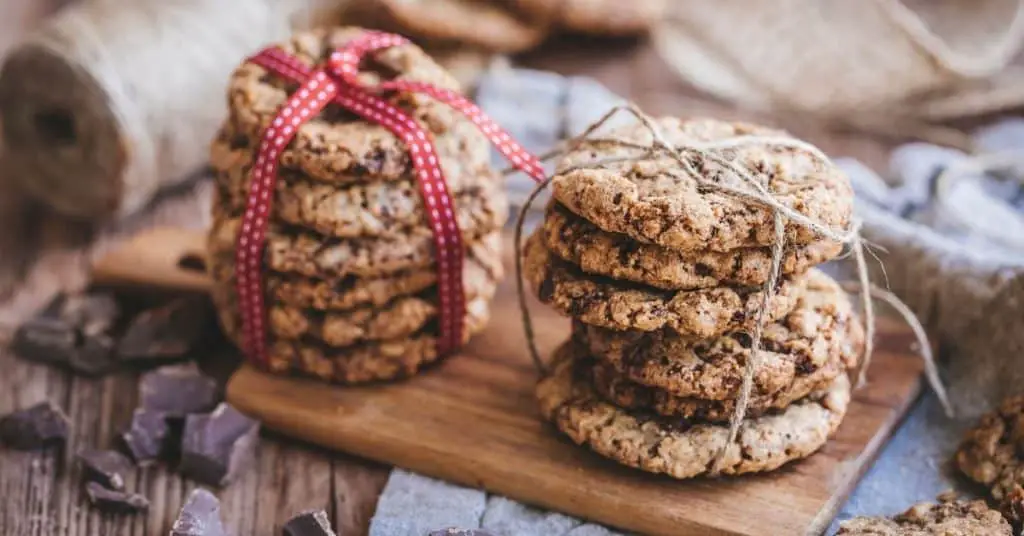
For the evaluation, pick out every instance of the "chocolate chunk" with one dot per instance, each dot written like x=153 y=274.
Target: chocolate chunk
x=94 y=356
x=148 y=437
x=115 y=501
x=168 y=332
x=93 y=313
x=309 y=523
x=459 y=532
x=178 y=390
x=218 y=446
x=200 y=516
x=107 y=467
x=45 y=340
x=40 y=426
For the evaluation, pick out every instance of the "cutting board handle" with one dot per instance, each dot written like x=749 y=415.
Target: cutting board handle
x=163 y=258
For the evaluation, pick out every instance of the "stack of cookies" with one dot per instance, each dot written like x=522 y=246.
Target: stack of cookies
x=349 y=266
x=663 y=278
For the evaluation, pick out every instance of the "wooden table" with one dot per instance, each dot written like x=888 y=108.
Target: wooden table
x=40 y=493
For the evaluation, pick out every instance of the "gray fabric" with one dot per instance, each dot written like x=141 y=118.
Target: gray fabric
x=966 y=286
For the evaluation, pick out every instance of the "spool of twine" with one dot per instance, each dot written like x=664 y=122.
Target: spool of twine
x=111 y=100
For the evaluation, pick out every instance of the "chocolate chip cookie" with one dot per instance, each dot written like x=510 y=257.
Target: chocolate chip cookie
x=947 y=518
x=597 y=17
x=584 y=244
x=359 y=209
x=821 y=329
x=316 y=256
x=678 y=447
x=337 y=146
x=992 y=453
x=653 y=200
x=368 y=361
x=489 y=24
x=619 y=305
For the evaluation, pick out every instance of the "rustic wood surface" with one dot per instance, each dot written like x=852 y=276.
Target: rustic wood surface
x=40 y=493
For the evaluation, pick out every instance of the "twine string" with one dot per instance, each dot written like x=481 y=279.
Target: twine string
x=749 y=189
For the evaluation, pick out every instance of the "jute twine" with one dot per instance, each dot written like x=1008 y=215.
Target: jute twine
x=750 y=190
x=108 y=100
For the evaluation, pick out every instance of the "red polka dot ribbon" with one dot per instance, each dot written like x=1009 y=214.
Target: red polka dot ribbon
x=337 y=82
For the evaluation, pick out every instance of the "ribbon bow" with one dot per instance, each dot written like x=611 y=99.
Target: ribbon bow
x=337 y=82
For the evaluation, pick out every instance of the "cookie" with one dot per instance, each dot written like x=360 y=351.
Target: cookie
x=313 y=255
x=582 y=243
x=338 y=147
x=358 y=209
x=360 y=363
x=678 y=447
x=483 y=262
x=654 y=201
x=618 y=389
x=488 y=24
x=619 y=305
x=597 y=17
x=819 y=330
x=949 y=517
x=992 y=453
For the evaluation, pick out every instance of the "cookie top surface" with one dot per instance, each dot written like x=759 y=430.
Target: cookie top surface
x=676 y=447
x=584 y=244
x=992 y=453
x=821 y=328
x=654 y=200
x=597 y=17
x=357 y=209
x=947 y=518
x=621 y=305
x=336 y=145
x=313 y=255
x=488 y=24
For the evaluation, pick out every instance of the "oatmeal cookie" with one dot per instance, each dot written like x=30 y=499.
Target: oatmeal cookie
x=367 y=361
x=947 y=518
x=656 y=202
x=336 y=146
x=488 y=24
x=597 y=17
x=820 y=329
x=317 y=256
x=678 y=447
x=582 y=243
x=358 y=209
x=992 y=453
x=620 y=305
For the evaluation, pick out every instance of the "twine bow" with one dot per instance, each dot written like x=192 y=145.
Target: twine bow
x=337 y=82
x=751 y=190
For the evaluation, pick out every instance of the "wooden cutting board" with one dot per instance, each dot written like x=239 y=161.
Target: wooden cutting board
x=473 y=420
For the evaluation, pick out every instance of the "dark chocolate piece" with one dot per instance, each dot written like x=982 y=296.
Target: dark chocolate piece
x=108 y=467
x=148 y=437
x=218 y=446
x=459 y=532
x=46 y=340
x=94 y=356
x=168 y=332
x=113 y=501
x=178 y=390
x=92 y=313
x=200 y=516
x=308 y=523
x=40 y=426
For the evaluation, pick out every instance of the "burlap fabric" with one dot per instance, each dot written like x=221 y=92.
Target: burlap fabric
x=837 y=58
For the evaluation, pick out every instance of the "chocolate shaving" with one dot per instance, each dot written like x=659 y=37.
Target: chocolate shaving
x=219 y=446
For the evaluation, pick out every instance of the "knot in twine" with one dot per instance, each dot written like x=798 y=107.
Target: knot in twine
x=750 y=190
